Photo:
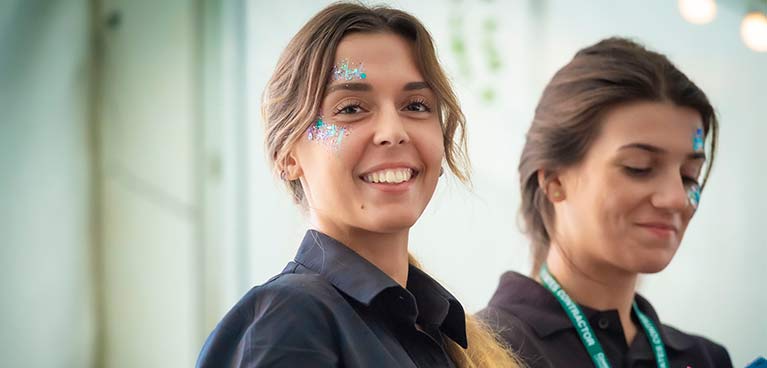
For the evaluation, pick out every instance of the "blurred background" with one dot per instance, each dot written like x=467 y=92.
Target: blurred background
x=136 y=204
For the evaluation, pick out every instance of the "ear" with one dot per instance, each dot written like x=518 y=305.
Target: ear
x=551 y=185
x=292 y=167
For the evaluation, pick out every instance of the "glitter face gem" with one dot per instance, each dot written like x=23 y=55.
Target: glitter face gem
x=330 y=135
x=693 y=194
x=697 y=140
x=347 y=71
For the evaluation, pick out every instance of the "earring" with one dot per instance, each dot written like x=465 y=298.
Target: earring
x=283 y=175
x=557 y=194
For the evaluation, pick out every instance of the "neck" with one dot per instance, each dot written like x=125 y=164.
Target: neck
x=596 y=286
x=387 y=251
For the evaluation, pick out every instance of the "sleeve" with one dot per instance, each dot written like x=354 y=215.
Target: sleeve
x=284 y=327
x=719 y=355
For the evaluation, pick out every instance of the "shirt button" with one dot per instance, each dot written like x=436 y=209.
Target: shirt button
x=604 y=323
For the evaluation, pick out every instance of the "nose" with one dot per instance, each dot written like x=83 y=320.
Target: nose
x=672 y=194
x=390 y=129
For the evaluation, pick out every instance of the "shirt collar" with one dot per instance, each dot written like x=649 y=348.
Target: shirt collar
x=424 y=301
x=531 y=301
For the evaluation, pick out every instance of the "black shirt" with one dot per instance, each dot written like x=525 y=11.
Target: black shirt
x=332 y=308
x=533 y=323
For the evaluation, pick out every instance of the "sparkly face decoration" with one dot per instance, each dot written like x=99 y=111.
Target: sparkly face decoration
x=693 y=194
x=330 y=135
x=347 y=71
x=697 y=140
x=628 y=202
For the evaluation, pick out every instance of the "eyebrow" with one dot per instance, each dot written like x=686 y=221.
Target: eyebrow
x=412 y=86
x=350 y=87
x=658 y=150
x=365 y=87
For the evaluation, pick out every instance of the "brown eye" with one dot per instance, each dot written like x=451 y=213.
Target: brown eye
x=349 y=107
x=417 y=105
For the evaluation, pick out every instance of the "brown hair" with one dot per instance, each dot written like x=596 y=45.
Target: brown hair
x=567 y=119
x=294 y=93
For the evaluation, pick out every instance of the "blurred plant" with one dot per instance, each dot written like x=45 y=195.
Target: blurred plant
x=491 y=62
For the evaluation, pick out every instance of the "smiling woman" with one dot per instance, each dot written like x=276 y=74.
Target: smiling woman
x=382 y=174
x=359 y=121
x=609 y=178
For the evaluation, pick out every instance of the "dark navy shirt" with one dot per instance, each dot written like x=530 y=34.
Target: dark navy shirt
x=332 y=308
x=533 y=323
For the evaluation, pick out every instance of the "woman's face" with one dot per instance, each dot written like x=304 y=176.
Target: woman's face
x=628 y=203
x=373 y=161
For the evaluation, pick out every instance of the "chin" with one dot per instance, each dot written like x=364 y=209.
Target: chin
x=392 y=225
x=654 y=263
x=649 y=255
x=392 y=222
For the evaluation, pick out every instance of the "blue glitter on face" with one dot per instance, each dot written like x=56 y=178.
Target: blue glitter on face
x=343 y=71
x=327 y=134
x=697 y=141
x=693 y=194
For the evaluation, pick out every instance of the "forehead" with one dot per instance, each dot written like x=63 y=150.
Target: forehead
x=657 y=123
x=381 y=53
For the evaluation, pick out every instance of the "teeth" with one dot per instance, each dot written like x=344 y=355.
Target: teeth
x=389 y=176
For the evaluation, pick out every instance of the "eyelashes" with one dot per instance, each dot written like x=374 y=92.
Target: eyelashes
x=644 y=172
x=349 y=107
x=418 y=104
x=354 y=106
x=636 y=171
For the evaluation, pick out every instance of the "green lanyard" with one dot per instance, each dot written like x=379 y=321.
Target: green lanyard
x=587 y=335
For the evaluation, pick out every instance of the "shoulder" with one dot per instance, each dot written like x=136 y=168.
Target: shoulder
x=700 y=345
x=287 y=321
x=288 y=299
x=310 y=288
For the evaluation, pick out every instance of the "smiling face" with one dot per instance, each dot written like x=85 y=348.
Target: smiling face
x=628 y=202
x=377 y=163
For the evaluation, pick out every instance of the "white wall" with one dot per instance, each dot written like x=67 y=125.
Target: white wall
x=47 y=311
x=468 y=238
x=150 y=185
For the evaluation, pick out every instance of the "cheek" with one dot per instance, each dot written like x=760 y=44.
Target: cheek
x=614 y=198
x=322 y=167
x=429 y=141
x=686 y=218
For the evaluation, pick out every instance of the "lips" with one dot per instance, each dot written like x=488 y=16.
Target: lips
x=661 y=229
x=659 y=226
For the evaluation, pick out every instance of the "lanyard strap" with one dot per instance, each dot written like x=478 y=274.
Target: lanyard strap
x=653 y=336
x=588 y=338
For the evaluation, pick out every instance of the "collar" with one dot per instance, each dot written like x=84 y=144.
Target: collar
x=424 y=301
x=532 y=302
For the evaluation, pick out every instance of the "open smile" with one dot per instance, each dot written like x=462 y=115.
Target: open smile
x=390 y=176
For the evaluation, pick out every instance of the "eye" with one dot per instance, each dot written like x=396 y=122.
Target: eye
x=349 y=107
x=691 y=174
x=688 y=180
x=637 y=171
x=417 y=105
